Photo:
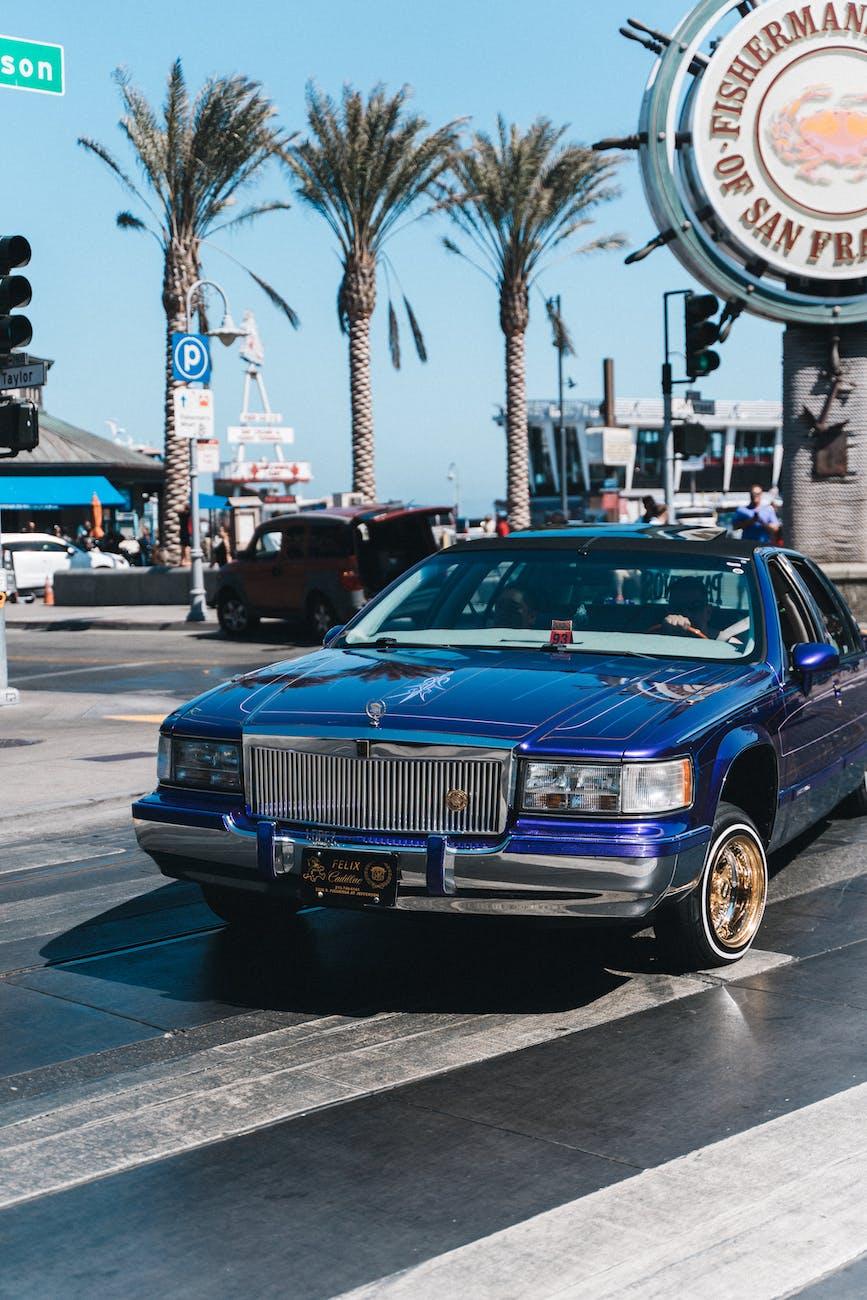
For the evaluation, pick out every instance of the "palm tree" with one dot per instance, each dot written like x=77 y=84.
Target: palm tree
x=363 y=167
x=517 y=198
x=193 y=162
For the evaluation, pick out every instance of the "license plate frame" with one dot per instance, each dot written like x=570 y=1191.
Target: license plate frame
x=332 y=877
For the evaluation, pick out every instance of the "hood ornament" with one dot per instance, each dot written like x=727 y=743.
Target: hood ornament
x=375 y=709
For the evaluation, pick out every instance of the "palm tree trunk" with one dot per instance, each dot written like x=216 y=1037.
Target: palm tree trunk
x=181 y=271
x=517 y=469
x=363 y=468
x=358 y=299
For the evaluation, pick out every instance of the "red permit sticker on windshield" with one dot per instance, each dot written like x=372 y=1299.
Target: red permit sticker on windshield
x=561 y=631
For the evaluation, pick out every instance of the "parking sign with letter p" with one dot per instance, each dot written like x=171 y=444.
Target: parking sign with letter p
x=191 y=358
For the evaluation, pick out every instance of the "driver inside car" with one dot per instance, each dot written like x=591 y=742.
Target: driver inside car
x=688 y=609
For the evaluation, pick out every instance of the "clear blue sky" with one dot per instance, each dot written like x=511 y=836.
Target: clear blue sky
x=96 y=307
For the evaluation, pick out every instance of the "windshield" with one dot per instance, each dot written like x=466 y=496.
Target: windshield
x=627 y=602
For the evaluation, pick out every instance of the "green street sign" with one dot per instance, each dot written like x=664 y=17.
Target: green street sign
x=31 y=65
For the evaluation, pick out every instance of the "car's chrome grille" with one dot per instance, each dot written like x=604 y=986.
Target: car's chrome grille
x=377 y=793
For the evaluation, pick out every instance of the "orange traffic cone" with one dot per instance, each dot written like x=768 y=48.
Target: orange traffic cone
x=49 y=591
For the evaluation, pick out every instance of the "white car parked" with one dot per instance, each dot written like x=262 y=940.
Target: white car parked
x=38 y=556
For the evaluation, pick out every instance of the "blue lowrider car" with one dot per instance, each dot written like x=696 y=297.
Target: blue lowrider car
x=604 y=723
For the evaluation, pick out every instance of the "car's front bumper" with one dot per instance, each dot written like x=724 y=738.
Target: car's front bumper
x=519 y=875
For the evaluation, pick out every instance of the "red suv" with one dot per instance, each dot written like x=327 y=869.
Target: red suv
x=322 y=565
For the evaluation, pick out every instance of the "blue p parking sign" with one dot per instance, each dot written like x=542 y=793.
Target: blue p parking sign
x=191 y=358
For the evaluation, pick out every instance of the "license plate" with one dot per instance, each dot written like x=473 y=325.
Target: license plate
x=340 y=877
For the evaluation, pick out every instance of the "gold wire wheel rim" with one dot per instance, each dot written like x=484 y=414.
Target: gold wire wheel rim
x=736 y=891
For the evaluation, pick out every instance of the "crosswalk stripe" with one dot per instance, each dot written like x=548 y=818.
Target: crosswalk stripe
x=91 y=1130
x=763 y=1213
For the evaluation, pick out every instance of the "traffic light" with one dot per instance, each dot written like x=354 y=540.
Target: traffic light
x=690 y=439
x=15 y=331
x=700 y=332
x=19 y=428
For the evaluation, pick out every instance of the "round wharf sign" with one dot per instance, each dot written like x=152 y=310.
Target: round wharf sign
x=753 y=153
x=780 y=137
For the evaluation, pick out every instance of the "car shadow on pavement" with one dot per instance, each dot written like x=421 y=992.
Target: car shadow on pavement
x=339 y=962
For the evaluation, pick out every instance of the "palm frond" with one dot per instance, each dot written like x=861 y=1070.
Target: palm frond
x=562 y=339
x=274 y=297
x=417 y=336
x=366 y=163
x=250 y=214
x=393 y=336
x=518 y=195
x=128 y=221
x=194 y=155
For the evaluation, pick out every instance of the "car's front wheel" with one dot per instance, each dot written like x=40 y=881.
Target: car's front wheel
x=717 y=921
x=233 y=614
x=856 y=803
x=247 y=911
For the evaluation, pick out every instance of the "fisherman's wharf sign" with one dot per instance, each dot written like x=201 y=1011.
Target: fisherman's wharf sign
x=753 y=149
x=780 y=137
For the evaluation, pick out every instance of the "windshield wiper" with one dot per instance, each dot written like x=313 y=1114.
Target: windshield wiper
x=392 y=643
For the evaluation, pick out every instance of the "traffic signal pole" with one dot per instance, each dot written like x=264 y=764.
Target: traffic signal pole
x=8 y=694
x=668 y=409
x=668 y=440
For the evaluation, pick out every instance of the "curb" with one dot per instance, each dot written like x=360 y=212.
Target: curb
x=122 y=800
x=109 y=624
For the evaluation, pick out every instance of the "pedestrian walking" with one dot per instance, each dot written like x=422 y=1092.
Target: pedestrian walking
x=222 y=548
x=757 y=522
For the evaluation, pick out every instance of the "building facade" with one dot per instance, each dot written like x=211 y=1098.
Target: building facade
x=744 y=446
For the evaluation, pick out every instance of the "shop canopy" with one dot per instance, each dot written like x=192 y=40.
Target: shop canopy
x=46 y=492
x=208 y=501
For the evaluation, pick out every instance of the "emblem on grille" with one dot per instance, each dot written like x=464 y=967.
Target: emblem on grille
x=375 y=710
x=457 y=800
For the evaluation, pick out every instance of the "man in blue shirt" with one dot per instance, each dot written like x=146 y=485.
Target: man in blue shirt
x=757 y=522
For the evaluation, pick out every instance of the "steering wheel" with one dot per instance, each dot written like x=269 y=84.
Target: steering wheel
x=678 y=629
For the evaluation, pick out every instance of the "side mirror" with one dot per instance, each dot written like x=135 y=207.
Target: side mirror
x=70 y=550
x=332 y=633
x=809 y=657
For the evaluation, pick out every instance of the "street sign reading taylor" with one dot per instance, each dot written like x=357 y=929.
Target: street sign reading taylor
x=780 y=137
x=753 y=150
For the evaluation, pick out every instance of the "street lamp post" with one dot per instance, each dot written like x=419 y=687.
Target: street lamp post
x=227 y=333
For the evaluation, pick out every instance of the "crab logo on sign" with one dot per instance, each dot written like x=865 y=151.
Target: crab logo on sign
x=780 y=137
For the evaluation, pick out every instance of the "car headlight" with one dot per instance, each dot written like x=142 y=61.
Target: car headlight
x=204 y=764
x=626 y=788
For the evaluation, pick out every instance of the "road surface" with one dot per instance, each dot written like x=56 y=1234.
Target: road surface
x=398 y=1105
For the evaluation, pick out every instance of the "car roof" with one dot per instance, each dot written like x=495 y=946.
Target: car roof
x=370 y=513
x=622 y=537
x=30 y=537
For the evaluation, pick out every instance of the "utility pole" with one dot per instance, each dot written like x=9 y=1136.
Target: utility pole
x=564 y=485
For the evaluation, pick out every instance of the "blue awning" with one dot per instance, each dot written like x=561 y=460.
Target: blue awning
x=208 y=501
x=46 y=492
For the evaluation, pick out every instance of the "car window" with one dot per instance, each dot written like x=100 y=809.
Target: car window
x=838 y=628
x=633 y=601
x=796 y=622
x=293 y=541
x=328 y=540
x=267 y=544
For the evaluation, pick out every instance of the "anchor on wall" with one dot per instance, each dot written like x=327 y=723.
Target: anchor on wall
x=830 y=458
